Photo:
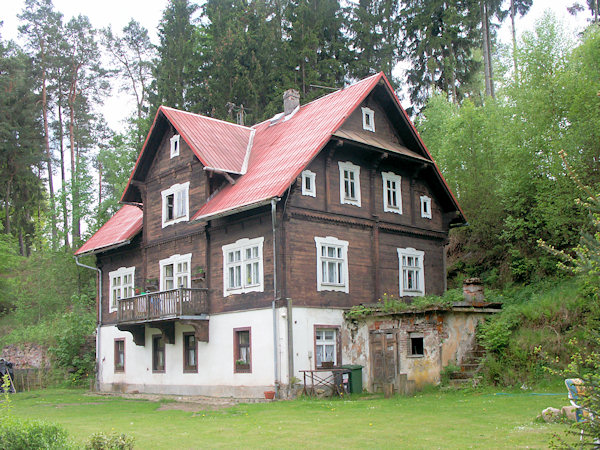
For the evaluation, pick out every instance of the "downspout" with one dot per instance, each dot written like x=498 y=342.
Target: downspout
x=275 y=355
x=98 y=366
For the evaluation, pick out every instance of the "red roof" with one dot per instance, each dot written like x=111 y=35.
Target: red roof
x=282 y=150
x=119 y=229
x=217 y=144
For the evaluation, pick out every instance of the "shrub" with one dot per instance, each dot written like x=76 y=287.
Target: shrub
x=114 y=441
x=16 y=434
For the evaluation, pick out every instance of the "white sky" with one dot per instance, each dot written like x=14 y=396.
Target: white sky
x=117 y=13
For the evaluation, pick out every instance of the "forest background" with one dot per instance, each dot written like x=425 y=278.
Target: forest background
x=494 y=117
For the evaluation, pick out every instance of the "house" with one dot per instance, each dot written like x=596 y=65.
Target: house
x=237 y=249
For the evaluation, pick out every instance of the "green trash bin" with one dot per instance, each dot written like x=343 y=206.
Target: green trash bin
x=354 y=378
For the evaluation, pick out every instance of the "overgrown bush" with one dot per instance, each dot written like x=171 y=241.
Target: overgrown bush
x=114 y=441
x=17 y=434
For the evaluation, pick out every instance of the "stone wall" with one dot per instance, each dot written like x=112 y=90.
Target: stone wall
x=26 y=355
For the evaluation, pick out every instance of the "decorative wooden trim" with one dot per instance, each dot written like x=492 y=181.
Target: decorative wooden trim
x=138 y=332
x=168 y=331
x=200 y=328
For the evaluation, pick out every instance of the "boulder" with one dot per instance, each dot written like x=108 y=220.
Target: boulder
x=551 y=415
x=569 y=412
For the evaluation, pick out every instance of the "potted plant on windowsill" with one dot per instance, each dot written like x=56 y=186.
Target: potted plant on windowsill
x=198 y=276
x=242 y=366
x=152 y=285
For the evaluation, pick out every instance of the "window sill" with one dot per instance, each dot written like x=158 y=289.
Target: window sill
x=174 y=221
x=119 y=370
x=159 y=371
x=415 y=356
x=190 y=370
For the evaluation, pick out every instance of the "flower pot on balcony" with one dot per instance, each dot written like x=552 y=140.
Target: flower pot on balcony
x=269 y=395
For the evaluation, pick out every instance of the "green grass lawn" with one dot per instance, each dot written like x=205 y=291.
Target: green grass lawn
x=435 y=419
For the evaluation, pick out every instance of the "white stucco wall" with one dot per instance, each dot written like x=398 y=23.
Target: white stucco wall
x=215 y=376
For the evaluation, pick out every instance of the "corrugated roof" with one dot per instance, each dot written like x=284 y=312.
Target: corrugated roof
x=217 y=144
x=120 y=229
x=282 y=150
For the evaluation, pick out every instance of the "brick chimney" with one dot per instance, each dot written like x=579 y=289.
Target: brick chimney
x=473 y=290
x=291 y=100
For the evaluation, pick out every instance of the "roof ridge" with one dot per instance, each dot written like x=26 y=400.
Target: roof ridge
x=206 y=117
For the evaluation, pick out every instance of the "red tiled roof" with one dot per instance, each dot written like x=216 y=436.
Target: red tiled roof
x=217 y=144
x=281 y=151
x=119 y=229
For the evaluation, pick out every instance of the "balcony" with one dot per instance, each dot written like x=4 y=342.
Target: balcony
x=188 y=306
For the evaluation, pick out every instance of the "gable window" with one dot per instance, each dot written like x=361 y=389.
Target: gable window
x=175 y=272
x=175 y=204
x=158 y=353
x=332 y=264
x=190 y=353
x=243 y=266
x=392 y=193
x=326 y=347
x=175 y=146
x=412 y=281
x=308 y=183
x=120 y=355
x=425 y=207
x=121 y=285
x=349 y=183
x=368 y=117
x=416 y=344
x=242 y=350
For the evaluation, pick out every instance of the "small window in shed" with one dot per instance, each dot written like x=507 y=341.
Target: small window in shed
x=416 y=344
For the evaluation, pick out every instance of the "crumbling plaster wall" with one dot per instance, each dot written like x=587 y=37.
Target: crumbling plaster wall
x=447 y=337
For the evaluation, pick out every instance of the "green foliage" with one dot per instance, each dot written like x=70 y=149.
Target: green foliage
x=18 y=434
x=447 y=372
x=113 y=441
x=74 y=350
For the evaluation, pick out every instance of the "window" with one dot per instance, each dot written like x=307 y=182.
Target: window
x=243 y=266
x=326 y=347
x=368 y=116
x=241 y=350
x=175 y=146
x=392 y=193
x=411 y=272
x=308 y=183
x=119 y=355
x=175 y=272
x=175 y=204
x=158 y=353
x=425 y=207
x=349 y=183
x=332 y=264
x=121 y=285
x=190 y=353
x=416 y=344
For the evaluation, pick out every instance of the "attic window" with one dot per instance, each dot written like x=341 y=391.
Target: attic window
x=175 y=146
x=425 y=207
x=308 y=183
x=368 y=116
x=175 y=204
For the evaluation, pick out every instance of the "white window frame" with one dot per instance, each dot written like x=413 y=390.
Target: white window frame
x=355 y=170
x=387 y=191
x=180 y=193
x=368 y=119
x=404 y=270
x=246 y=262
x=425 y=207
x=175 y=142
x=324 y=343
x=310 y=176
x=178 y=275
x=322 y=283
x=125 y=290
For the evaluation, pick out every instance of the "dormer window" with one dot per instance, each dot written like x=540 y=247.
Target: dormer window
x=308 y=183
x=425 y=207
x=368 y=116
x=175 y=146
x=175 y=204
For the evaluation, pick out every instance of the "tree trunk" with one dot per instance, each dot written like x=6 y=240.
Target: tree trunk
x=514 y=40
x=487 y=58
x=75 y=213
x=7 y=207
x=62 y=169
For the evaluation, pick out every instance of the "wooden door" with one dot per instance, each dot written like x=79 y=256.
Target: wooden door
x=383 y=345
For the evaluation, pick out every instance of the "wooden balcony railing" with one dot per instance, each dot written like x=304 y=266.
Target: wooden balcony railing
x=158 y=305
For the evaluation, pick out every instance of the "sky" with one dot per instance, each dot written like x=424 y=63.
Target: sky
x=117 y=14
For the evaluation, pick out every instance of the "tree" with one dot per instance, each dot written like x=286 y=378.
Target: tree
x=41 y=30
x=520 y=7
x=440 y=37
x=132 y=54
x=593 y=6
